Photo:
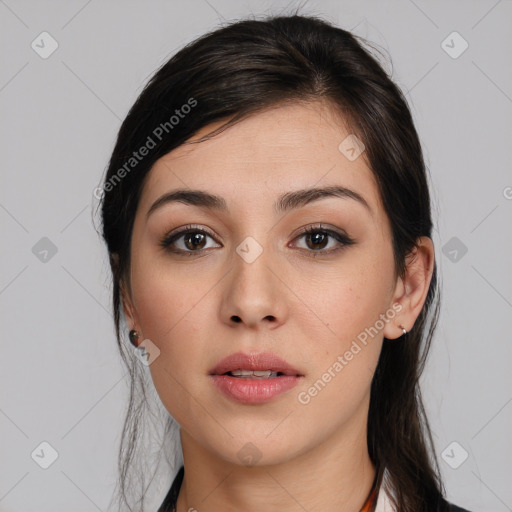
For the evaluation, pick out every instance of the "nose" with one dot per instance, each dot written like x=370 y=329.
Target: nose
x=253 y=294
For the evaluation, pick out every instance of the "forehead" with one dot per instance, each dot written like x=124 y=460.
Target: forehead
x=284 y=148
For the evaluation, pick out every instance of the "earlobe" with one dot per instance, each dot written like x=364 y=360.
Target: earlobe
x=412 y=289
x=130 y=313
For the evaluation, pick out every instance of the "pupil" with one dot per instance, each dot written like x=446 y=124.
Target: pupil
x=317 y=238
x=194 y=238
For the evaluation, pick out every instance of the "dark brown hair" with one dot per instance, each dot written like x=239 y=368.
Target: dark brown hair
x=237 y=71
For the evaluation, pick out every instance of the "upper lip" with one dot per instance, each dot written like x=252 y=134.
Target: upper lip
x=261 y=361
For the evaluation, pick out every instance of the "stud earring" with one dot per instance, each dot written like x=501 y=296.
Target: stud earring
x=404 y=332
x=134 y=338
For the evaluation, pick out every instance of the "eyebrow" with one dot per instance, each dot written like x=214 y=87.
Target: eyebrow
x=286 y=202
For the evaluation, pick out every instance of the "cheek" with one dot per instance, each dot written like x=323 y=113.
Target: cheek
x=174 y=312
x=344 y=309
x=342 y=302
x=170 y=310
x=346 y=349
x=164 y=294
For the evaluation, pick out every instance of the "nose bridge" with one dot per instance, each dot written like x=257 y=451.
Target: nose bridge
x=251 y=261
x=252 y=290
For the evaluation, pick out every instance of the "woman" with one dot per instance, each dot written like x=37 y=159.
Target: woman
x=267 y=216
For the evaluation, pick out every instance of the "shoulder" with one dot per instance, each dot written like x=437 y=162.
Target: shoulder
x=455 y=508
x=384 y=502
x=169 y=503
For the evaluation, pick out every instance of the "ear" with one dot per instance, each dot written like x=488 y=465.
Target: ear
x=129 y=309
x=411 y=290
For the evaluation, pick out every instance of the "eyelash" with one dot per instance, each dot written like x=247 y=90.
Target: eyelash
x=167 y=241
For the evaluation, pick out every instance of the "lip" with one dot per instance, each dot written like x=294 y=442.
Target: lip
x=261 y=361
x=254 y=391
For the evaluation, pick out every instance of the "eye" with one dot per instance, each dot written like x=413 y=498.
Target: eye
x=194 y=240
x=317 y=238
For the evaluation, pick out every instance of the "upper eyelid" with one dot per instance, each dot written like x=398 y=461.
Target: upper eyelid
x=186 y=229
x=191 y=227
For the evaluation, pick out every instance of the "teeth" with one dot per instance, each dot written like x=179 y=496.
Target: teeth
x=264 y=373
x=254 y=373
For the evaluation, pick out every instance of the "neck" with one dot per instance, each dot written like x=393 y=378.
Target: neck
x=336 y=475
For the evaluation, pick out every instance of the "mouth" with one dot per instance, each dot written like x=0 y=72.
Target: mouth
x=254 y=366
x=254 y=374
x=252 y=379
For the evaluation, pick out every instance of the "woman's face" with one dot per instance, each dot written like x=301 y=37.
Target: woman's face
x=247 y=279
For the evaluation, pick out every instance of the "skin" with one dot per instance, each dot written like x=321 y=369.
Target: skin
x=306 y=310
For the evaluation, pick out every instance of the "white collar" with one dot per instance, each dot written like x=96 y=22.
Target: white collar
x=384 y=503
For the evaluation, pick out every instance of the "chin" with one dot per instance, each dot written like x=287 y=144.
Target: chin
x=259 y=451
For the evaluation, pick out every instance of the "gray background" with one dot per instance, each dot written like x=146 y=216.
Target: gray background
x=61 y=379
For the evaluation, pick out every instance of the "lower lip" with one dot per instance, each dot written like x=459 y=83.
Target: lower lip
x=254 y=391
